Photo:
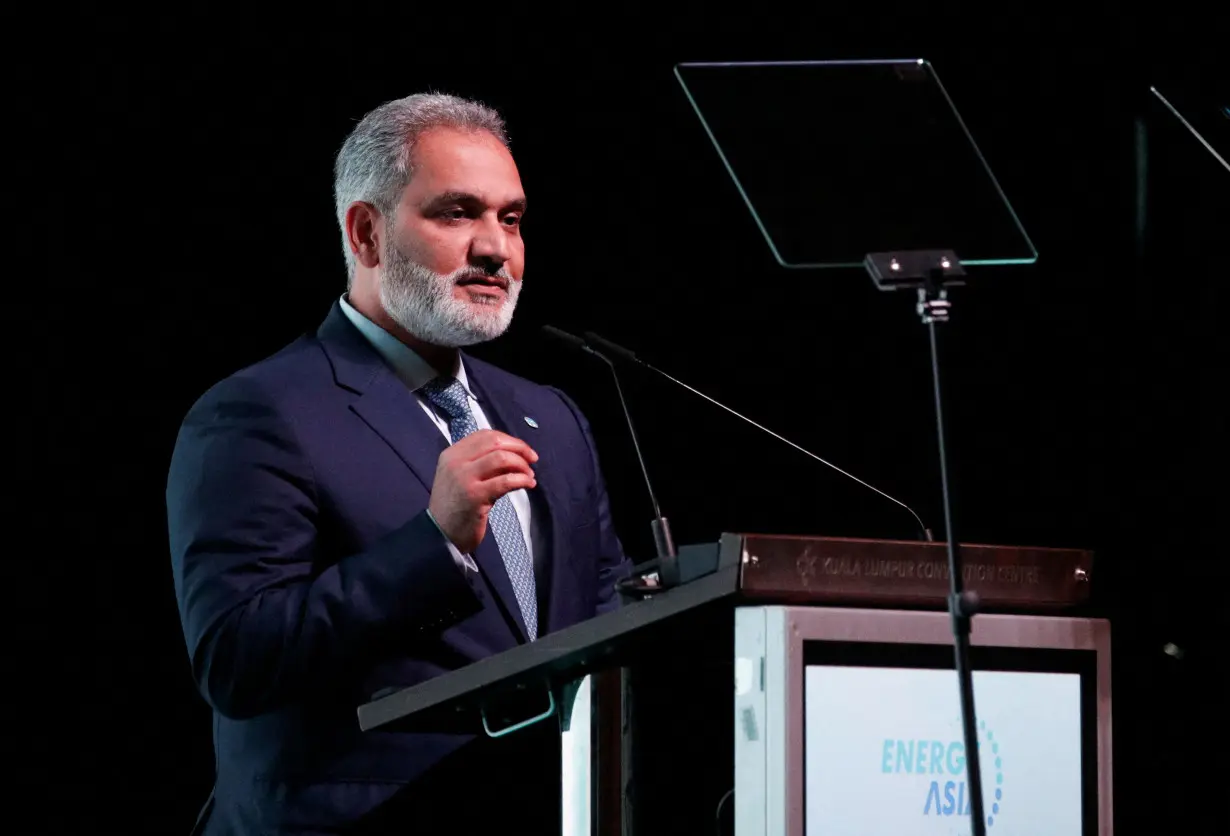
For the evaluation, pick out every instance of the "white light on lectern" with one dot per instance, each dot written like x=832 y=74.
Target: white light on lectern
x=575 y=765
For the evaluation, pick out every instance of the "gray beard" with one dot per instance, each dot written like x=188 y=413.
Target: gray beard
x=422 y=301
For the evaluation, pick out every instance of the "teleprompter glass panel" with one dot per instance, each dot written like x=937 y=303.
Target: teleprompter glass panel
x=838 y=159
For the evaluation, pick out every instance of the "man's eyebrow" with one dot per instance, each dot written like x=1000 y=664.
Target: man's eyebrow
x=466 y=198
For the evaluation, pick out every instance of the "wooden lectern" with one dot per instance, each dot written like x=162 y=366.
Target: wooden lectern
x=788 y=677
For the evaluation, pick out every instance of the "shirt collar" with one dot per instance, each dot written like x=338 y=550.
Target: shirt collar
x=412 y=369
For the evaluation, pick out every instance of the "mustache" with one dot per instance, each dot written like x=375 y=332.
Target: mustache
x=501 y=277
x=400 y=262
x=479 y=273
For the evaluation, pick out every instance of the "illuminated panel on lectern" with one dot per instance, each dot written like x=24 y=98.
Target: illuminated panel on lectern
x=884 y=751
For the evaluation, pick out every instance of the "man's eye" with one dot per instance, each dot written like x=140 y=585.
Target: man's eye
x=453 y=214
x=512 y=220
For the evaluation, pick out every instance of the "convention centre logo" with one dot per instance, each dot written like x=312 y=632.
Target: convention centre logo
x=934 y=771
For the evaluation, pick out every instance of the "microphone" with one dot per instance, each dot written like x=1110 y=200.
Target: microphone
x=591 y=340
x=571 y=340
x=664 y=544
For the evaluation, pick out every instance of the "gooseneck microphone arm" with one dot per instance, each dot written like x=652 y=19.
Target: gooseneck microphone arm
x=591 y=339
x=663 y=542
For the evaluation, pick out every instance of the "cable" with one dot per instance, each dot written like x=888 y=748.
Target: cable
x=717 y=815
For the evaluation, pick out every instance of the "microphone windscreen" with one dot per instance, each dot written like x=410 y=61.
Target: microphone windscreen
x=571 y=340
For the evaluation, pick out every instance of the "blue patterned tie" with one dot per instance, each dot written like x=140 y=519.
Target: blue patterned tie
x=449 y=396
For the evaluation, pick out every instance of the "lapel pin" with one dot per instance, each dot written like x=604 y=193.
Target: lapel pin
x=531 y=422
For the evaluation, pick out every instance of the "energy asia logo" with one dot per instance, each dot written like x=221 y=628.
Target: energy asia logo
x=937 y=769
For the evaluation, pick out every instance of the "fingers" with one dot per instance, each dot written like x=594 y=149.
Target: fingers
x=498 y=473
x=471 y=475
x=498 y=462
x=480 y=443
x=492 y=489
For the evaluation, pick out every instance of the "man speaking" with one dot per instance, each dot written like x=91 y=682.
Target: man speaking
x=370 y=507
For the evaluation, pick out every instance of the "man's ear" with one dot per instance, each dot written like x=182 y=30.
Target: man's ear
x=364 y=225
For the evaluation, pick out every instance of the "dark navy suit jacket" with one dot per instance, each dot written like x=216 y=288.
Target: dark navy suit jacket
x=310 y=579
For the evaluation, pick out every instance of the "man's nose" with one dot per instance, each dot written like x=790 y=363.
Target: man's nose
x=491 y=242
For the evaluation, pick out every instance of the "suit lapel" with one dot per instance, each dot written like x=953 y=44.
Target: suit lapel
x=394 y=413
x=383 y=401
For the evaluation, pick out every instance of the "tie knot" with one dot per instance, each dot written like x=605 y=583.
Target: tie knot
x=449 y=396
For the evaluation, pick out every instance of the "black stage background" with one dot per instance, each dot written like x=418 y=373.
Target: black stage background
x=176 y=223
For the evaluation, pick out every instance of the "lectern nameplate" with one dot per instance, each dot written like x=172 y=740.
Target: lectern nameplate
x=905 y=573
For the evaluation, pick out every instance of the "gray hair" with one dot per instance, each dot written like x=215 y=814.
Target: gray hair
x=373 y=164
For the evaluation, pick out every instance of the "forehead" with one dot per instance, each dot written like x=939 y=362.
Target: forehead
x=473 y=162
